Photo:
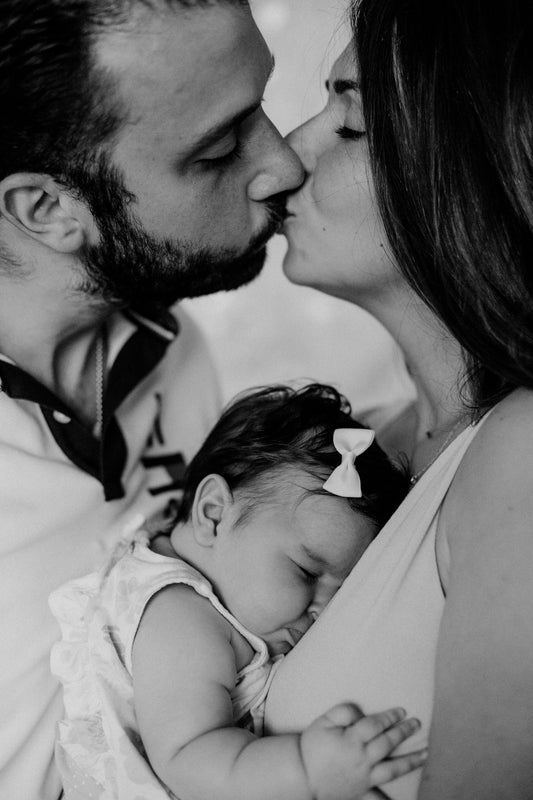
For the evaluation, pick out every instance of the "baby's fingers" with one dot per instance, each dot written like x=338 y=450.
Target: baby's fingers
x=368 y=728
x=386 y=742
x=343 y=715
x=395 y=767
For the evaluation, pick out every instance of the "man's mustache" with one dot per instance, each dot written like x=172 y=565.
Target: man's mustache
x=277 y=212
x=277 y=209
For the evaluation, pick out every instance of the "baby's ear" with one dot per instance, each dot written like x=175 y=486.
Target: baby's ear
x=212 y=501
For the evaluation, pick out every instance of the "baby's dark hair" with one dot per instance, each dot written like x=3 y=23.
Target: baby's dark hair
x=278 y=427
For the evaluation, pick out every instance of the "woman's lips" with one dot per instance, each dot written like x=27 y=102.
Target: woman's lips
x=289 y=216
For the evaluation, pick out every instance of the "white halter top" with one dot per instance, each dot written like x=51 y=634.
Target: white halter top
x=375 y=642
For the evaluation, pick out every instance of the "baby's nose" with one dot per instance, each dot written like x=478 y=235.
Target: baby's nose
x=307 y=619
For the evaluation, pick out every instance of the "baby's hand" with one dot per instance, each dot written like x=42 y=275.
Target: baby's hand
x=345 y=753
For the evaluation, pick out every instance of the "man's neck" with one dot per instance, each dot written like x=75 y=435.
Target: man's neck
x=50 y=331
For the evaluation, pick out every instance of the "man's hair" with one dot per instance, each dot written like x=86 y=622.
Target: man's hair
x=447 y=92
x=59 y=107
x=269 y=430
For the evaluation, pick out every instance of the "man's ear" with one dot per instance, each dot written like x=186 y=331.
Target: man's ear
x=44 y=210
x=212 y=501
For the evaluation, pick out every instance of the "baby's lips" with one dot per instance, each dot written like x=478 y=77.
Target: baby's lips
x=294 y=635
x=281 y=648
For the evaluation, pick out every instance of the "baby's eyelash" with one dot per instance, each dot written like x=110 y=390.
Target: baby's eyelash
x=309 y=576
x=349 y=133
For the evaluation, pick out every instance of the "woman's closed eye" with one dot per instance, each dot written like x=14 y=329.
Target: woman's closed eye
x=349 y=133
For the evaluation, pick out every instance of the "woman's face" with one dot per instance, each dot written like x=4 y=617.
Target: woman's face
x=335 y=236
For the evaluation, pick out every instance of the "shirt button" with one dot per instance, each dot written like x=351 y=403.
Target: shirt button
x=60 y=417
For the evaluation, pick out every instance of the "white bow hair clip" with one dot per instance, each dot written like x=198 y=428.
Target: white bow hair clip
x=344 y=481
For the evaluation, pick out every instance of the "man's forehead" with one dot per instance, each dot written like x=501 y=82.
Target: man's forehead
x=188 y=63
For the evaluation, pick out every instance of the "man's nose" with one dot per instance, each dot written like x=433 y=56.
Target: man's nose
x=281 y=169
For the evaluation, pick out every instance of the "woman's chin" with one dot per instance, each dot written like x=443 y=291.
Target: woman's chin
x=297 y=268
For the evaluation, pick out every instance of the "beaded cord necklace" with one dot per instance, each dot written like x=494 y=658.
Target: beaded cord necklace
x=451 y=435
x=101 y=347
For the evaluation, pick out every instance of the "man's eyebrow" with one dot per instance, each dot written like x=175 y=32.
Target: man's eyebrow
x=219 y=130
x=342 y=85
x=223 y=127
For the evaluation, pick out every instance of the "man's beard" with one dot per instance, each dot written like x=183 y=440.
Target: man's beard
x=130 y=267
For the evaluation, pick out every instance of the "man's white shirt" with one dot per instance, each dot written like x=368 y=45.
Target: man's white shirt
x=65 y=499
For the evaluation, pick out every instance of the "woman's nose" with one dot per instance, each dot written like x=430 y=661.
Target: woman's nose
x=297 y=142
x=308 y=141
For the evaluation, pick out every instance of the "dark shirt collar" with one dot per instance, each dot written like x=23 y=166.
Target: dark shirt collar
x=104 y=459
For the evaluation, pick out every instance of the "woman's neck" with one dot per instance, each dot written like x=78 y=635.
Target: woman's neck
x=433 y=357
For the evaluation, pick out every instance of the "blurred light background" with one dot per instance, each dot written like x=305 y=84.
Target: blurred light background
x=272 y=331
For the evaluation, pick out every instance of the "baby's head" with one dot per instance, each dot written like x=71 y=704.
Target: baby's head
x=272 y=540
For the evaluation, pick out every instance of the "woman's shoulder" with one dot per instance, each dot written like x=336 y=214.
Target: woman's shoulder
x=492 y=492
x=484 y=681
x=502 y=446
x=517 y=407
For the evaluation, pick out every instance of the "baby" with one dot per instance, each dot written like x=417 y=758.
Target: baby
x=168 y=652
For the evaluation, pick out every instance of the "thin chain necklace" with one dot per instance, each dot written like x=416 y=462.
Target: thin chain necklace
x=451 y=435
x=100 y=352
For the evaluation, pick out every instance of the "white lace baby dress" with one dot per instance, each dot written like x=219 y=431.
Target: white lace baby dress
x=99 y=752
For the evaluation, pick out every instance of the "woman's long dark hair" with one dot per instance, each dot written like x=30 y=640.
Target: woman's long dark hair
x=447 y=91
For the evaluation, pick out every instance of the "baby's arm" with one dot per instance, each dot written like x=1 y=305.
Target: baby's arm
x=183 y=672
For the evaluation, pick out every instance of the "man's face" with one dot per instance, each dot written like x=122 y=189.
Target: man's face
x=204 y=163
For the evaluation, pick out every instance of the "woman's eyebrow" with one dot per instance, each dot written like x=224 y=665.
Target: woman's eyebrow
x=342 y=85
